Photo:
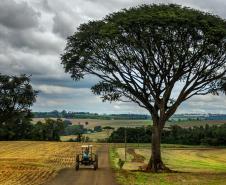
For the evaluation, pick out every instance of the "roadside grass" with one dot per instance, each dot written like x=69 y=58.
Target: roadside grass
x=113 y=156
x=191 y=160
x=194 y=165
x=170 y=146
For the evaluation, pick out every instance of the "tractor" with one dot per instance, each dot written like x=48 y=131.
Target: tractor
x=86 y=157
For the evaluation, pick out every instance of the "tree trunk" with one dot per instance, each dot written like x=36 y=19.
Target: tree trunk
x=155 y=163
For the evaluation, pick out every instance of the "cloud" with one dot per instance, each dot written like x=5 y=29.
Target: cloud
x=204 y=104
x=18 y=61
x=117 y=107
x=81 y=100
x=17 y=15
x=32 y=40
x=63 y=24
x=64 y=91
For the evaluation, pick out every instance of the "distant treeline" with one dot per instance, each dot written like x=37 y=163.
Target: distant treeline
x=23 y=129
x=88 y=115
x=47 y=130
x=203 y=135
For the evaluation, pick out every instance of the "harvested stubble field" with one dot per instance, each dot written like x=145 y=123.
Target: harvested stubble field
x=34 y=163
x=194 y=166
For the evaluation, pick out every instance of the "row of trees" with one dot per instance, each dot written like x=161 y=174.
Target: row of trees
x=16 y=98
x=49 y=130
x=79 y=129
x=203 y=135
x=68 y=115
x=88 y=115
x=207 y=135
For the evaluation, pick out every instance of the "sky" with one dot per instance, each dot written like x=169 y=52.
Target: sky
x=33 y=35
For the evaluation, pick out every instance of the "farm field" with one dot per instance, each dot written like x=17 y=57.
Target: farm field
x=192 y=123
x=34 y=163
x=137 y=123
x=103 y=123
x=194 y=166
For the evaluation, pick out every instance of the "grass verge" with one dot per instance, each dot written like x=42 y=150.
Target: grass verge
x=196 y=166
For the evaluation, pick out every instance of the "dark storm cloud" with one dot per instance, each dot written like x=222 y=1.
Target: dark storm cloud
x=64 y=20
x=41 y=42
x=64 y=81
x=17 y=15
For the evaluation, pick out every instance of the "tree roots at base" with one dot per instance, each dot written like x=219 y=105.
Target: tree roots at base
x=157 y=167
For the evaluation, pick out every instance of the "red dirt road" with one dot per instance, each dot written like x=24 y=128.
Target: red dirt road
x=102 y=176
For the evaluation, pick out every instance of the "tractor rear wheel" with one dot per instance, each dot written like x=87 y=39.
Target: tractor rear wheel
x=96 y=162
x=77 y=163
x=95 y=166
x=77 y=158
x=77 y=166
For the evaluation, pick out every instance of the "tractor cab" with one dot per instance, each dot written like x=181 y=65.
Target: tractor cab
x=86 y=151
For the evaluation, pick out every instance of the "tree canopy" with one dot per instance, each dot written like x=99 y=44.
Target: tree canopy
x=143 y=54
x=16 y=97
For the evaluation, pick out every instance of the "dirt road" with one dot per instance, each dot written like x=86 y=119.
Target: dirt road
x=102 y=176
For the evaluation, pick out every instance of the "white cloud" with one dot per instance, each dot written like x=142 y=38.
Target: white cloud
x=64 y=91
x=117 y=107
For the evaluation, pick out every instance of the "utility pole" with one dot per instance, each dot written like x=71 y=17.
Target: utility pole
x=125 y=136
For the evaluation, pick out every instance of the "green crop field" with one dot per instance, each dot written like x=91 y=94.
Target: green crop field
x=192 y=165
x=192 y=123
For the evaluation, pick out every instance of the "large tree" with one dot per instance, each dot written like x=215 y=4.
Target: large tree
x=145 y=53
x=16 y=98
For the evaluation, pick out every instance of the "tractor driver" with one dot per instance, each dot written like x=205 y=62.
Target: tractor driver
x=86 y=154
